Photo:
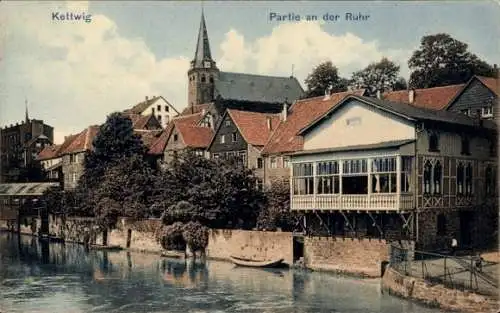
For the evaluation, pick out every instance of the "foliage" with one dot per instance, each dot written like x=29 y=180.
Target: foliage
x=172 y=238
x=196 y=236
x=218 y=194
x=277 y=214
x=324 y=76
x=442 y=60
x=378 y=76
x=60 y=201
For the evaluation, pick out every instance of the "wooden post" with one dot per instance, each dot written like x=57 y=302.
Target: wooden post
x=129 y=237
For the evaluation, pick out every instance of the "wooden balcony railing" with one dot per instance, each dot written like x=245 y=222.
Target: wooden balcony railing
x=372 y=202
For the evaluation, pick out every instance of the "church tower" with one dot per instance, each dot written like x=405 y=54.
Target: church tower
x=203 y=72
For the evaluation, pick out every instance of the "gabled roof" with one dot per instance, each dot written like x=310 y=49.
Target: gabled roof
x=139 y=121
x=142 y=106
x=253 y=126
x=195 y=109
x=257 y=88
x=49 y=152
x=405 y=111
x=83 y=141
x=191 y=119
x=148 y=137
x=194 y=136
x=30 y=142
x=301 y=114
x=436 y=98
x=492 y=83
x=158 y=146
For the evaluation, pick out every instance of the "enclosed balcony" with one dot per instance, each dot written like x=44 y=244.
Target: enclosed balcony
x=362 y=184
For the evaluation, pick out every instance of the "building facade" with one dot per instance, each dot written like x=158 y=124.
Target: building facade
x=156 y=106
x=422 y=176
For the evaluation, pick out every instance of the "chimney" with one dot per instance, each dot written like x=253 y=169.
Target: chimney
x=284 y=112
x=379 y=96
x=269 y=123
x=328 y=91
x=146 y=98
x=411 y=96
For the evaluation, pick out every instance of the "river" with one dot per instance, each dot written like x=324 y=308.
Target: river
x=53 y=278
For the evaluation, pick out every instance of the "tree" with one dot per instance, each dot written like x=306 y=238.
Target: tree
x=378 y=76
x=277 y=214
x=442 y=60
x=324 y=76
x=213 y=192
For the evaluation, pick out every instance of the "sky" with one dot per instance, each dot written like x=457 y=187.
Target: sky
x=72 y=74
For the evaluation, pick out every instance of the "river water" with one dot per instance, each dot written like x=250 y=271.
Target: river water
x=53 y=278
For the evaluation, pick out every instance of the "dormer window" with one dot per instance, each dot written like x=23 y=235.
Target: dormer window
x=228 y=123
x=465 y=145
x=433 y=142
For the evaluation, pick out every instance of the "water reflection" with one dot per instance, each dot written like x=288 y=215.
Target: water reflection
x=51 y=277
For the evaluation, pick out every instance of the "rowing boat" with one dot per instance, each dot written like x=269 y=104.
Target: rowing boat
x=256 y=263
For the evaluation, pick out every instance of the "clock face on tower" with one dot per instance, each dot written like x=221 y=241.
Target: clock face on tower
x=207 y=64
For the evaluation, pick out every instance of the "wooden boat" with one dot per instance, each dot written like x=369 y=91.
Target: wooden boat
x=256 y=263
x=172 y=254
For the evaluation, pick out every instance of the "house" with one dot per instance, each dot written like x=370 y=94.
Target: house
x=186 y=132
x=19 y=145
x=285 y=140
x=374 y=168
x=242 y=135
x=157 y=106
x=51 y=162
x=144 y=122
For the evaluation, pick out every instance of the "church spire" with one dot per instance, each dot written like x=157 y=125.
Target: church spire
x=202 y=46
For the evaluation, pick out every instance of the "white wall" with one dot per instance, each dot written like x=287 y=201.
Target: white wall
x=357 y=124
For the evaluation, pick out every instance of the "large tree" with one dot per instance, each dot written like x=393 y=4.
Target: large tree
x=378 y=76
x=324 y=76
x=442 y=60
x=214 y=192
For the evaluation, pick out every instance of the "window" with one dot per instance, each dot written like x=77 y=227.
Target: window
x=259 y=184
x=427 y=177
x=464 y=179
x=216 y=156
x=441 y=225
x=159 y=118
x=260 y=163
x=227 y=123
x=72 y=158
x=203 y=79
x=489 y=177
x=242 y=157
x=384 y=179
x=198 y=152
x=406 y=174
x=222 y=139
x=433 y=142
x=176 y=137
x=286 y=162
x=167 y=108
x=274 y=162
x=153 y=111
x=73 y=177
x=234 y=137
x=38 y=145
x=303 y=179
x=158 y=107
x=437 y=178
x=487 y=112
x=466 y=112
x=327 y=181
x=355 y=177
x=465 y=145
x=175 y=154
x=211 y=79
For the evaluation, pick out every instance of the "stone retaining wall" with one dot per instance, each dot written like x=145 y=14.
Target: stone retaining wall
x=436 y=295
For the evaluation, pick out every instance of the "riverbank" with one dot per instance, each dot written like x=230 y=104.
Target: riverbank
x=436 y=295
x=358 y=257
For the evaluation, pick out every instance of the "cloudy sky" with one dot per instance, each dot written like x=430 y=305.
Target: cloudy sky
x=74 y=73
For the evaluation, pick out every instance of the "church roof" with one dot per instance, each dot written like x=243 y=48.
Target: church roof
x=202 y=46
x=257 y=88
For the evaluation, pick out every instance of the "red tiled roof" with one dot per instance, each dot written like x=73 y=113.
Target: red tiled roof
x=83 y=141
x=191 y=119
x=195 y=136
x=148 y=137
x=436 y=98
x=254 y=126
x=158 y=146
x=141 y=106
x=49 y=152
x=301 y=114
x=492 y=83
x=138 y=121
x=195 y=109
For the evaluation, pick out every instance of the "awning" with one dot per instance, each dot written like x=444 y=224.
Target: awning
x=25 y=189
